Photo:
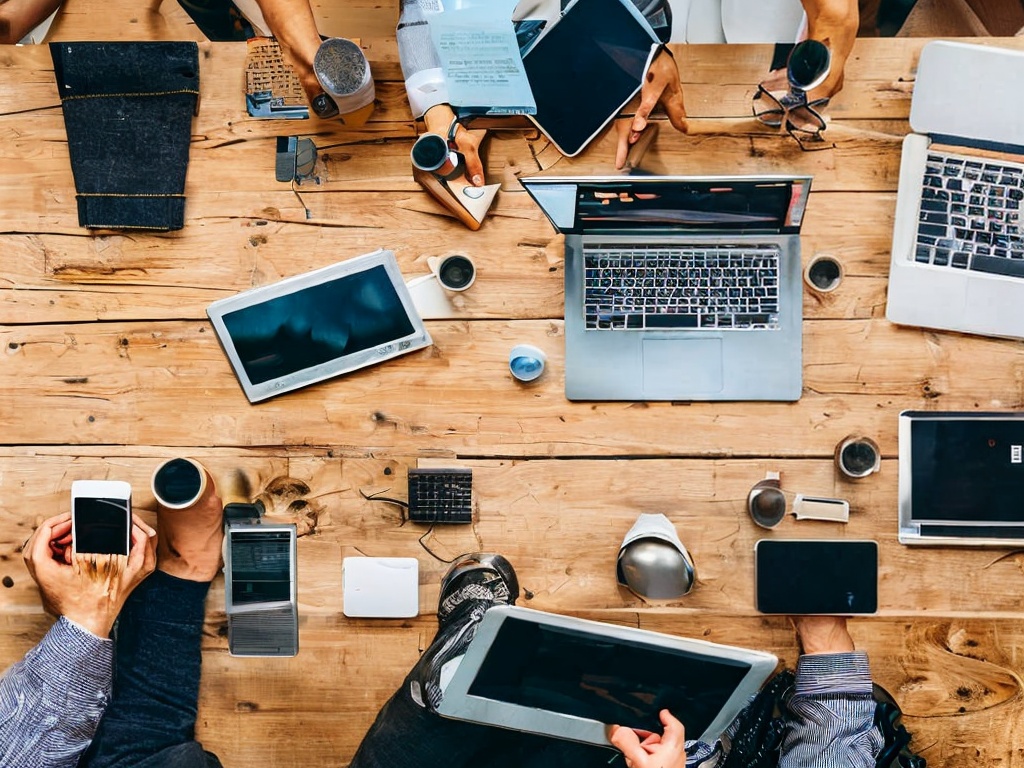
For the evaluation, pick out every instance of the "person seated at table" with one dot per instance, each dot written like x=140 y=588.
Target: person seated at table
x=830 y=718
x=130 y=701
x=150 y=720
x=833 y=22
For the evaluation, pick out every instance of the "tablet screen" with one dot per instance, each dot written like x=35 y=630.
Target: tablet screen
x=602 y=678
x=587 y=66
x=814 y=576
x=967 y=470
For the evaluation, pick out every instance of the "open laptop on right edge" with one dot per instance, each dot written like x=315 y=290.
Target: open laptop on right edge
x=958 y=242
x=961 y=478
x=680 y=287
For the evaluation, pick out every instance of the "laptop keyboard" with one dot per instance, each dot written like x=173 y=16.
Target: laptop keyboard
x=970 y=215
x=671 y=287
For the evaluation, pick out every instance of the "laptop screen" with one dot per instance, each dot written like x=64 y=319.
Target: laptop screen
x=967 y=470
x=691 y=205
x=672 y=204
x=608 y=679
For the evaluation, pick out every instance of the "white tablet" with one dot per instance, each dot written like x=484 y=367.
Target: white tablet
x=566 y=677
x=320 y=324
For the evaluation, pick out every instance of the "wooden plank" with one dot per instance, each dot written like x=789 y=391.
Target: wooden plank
x=68 y=278
x=115 y=383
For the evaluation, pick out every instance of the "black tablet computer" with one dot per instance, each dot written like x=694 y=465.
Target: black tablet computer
x=816 y=576
x=585 y=67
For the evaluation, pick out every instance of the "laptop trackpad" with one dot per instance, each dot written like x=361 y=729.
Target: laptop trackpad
x=682 y=367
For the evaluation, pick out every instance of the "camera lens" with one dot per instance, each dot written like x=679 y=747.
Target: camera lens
x=456 y=272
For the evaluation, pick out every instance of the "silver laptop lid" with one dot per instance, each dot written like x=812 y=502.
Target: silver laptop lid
x=969 y=92
x=675 y=204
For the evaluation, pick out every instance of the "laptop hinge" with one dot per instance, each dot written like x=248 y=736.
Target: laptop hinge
x=963 y=141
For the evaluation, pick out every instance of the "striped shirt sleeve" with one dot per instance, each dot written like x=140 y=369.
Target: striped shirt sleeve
x=51 y=701
x=831 y=714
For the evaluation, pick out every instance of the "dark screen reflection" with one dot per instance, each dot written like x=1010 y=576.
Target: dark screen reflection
x=693 y=204
x=967 y=470
x=317 y=324
x=260 y=567
x=608 y=680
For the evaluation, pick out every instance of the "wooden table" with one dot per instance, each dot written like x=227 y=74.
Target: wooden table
x=108 y=365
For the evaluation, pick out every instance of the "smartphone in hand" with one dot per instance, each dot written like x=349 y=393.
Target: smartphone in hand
x=101 y=517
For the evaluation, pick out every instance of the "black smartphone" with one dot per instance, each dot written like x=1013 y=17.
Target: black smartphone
x=816 y=576
x=101 y=517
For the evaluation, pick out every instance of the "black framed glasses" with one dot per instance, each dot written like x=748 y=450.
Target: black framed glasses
x=808 y=66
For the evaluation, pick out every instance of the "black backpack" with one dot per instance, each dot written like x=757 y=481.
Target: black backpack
x=762 y=726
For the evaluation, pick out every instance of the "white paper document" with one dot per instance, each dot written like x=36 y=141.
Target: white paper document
x=480 y=57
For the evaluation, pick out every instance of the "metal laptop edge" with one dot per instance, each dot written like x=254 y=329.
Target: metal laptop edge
x=458 y=704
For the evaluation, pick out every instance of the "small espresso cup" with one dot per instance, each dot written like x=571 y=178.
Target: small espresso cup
x=858 y=456
x=179 y=483
x=766 y=503
x=454 y=273
x=824 y=273
x=526 y=362
x=432 y=154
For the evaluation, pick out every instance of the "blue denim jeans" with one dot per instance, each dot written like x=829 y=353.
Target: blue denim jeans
x=128 y=111
x=150 y=722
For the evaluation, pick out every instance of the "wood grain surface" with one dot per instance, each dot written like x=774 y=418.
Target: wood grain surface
x=108 y=366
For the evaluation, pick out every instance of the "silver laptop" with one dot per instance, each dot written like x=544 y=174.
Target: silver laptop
x=565 y=677
x=680 y=288
x=260 y=588
x=958 y=243
x=961 y=478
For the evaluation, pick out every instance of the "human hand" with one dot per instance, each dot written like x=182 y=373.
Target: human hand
x=661 y=84
x=665 y=750
x=438 y=119
x=823 y=634
x=835 y=23
x=87 y=589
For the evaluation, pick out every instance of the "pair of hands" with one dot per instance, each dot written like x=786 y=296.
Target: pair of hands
x=643 y=749
x=661 y=85
x=90 y=590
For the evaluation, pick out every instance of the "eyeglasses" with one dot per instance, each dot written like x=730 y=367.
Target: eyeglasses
x=808 y=66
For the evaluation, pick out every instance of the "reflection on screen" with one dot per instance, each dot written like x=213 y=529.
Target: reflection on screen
x=585 y=68
x=967 y=470
x=101 y=526
x=260 y=567
x=817 y=576
x=604 y=679
x=317 y=324
x=692 y=205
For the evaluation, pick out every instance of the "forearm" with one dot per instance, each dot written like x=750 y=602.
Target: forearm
x=421 y=65
x=19 y=17
x=294 y=28
x=831 y=714
x=51 y=702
